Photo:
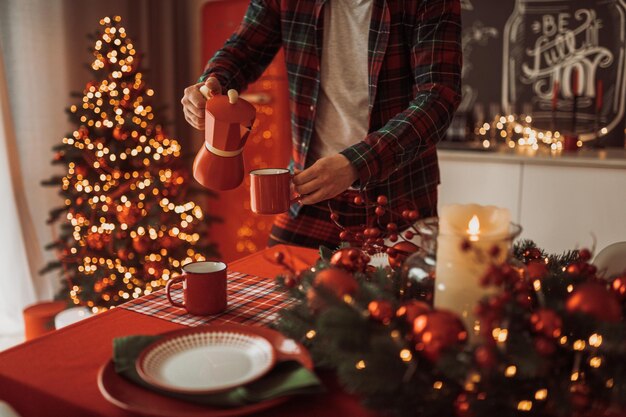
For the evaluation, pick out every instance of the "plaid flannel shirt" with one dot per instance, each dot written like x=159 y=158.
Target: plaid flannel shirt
x=415 y=61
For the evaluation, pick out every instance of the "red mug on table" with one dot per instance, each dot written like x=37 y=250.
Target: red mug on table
x=204 y=288
x=270 y=190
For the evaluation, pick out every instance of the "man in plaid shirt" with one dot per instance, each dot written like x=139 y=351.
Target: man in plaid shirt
x=373 y=87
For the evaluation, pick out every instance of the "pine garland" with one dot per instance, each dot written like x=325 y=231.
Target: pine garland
x=542 y=355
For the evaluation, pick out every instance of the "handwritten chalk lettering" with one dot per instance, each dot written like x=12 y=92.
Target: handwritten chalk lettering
x=559 y=50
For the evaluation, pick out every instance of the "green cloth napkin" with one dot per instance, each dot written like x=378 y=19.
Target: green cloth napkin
x=286 y=378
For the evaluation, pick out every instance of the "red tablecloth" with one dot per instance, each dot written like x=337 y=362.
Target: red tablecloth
x=55 y=375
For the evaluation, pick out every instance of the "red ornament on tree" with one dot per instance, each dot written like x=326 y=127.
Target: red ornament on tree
x=544 y=346
x=411 y=310
x=485 y=357
x=401 y=251
x=381 y=310
x=546 y=322
x=594 y=299
x=462 y=406
x=579 y=395
x=350 y=259
x=436 y=331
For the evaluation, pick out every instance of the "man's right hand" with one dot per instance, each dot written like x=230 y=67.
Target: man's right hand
x=194 y=102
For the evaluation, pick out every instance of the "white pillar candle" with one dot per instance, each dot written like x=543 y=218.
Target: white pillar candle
x=459 y=270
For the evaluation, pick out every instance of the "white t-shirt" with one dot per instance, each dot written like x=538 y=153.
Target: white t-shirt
x=342 y=106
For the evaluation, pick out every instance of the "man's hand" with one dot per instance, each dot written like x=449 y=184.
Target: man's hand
x=193 y=101
x=325 y=179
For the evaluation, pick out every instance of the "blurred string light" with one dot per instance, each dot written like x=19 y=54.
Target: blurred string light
x=123 y=186
x=517 y=131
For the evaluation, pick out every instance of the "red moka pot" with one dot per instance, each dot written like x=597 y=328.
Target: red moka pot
x=228 y=121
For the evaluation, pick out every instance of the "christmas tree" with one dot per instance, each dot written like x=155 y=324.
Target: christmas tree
x=126 y=224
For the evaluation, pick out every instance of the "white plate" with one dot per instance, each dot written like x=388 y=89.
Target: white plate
x=205 y=361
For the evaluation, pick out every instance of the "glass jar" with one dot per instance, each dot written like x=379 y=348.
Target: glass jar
x=549 y=42
x=447 y=269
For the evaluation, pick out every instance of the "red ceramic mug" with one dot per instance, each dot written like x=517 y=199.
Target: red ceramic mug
x=270 y=190
x=204 y=288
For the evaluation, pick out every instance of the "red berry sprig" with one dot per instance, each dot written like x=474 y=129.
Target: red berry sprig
x=371 y=238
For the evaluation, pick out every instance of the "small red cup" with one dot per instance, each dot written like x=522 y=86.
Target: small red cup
x=204 y=288
x=270 y=190
x=570 y=142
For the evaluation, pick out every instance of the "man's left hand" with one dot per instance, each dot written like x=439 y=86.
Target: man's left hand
x=325 y=179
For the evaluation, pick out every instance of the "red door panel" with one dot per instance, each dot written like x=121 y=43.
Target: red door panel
x=269 y=145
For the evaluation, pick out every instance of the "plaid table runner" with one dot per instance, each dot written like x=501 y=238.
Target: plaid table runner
x=251 y=300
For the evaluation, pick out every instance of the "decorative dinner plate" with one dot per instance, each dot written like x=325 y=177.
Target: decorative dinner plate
x=205 y=361
x=131 y=397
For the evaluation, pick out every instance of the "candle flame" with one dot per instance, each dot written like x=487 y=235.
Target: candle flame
x=473 y=227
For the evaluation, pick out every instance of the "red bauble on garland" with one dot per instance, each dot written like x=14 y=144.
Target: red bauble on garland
x=411 y=310
x=547 y=323
x=381 y=310
x=336 y=281
x=399 y=252
x=350 y=259
x=436 y=331
x=594 y=299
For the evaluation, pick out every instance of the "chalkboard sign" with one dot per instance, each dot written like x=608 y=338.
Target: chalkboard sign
x=543 y=57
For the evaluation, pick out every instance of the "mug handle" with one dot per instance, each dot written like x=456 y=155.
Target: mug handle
x=168 y=288
x=297 y=197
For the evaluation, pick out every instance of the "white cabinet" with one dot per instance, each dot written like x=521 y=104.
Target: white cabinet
x=562 y=202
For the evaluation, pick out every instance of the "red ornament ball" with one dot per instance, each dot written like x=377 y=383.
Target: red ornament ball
x=485 y=357
x=594 y=299
x=337 y=281
x=436 y=331
x=579 y=395
x=544 y=346
x=547 y=323
x=411 y=310
x=350 y=259
x=382 y=200
x=537 y=269
x=402 y=251
x=358 y=200
x=381 y=310
x=380 y=211
x=462 y=406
